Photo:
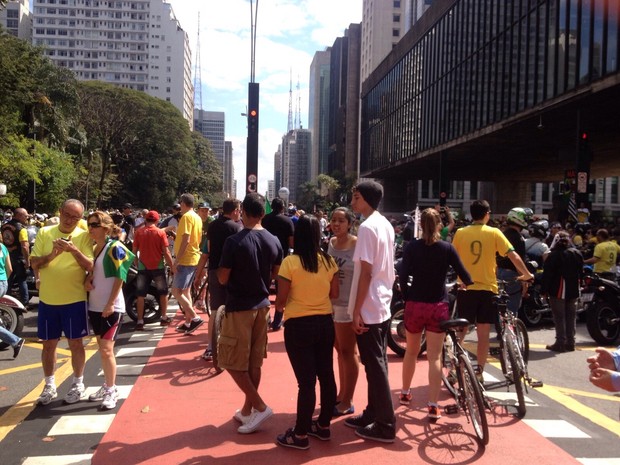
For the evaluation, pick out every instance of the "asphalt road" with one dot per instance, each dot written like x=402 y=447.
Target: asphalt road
x=566 y=392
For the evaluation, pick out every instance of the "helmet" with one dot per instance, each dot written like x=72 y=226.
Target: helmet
x=519 y=216
x=539 y=228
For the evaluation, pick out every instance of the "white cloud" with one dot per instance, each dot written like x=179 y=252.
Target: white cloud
x=289 y=32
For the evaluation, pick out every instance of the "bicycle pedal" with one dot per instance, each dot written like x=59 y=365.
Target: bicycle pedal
x=535 y=383
x=451 y=409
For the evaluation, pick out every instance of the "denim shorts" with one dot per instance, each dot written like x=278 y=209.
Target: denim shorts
x=183 y=277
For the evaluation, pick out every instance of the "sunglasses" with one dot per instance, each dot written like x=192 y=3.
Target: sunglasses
x=94 y=225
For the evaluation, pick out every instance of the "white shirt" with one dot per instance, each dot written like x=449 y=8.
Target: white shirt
x=99 y=295
x=375 y=245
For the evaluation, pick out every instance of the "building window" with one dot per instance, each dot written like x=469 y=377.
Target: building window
x=396 y=18
x=396 y=3
x=395 y=32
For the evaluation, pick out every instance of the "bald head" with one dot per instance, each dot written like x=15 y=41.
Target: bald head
x=21 y=215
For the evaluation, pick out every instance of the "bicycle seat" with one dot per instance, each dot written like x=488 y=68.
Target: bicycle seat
x=452 y=324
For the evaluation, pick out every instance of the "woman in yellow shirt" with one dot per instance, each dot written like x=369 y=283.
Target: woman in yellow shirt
x=307 y=280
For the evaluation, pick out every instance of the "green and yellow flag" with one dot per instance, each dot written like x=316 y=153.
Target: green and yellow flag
x=117 y=261
x=267 y=205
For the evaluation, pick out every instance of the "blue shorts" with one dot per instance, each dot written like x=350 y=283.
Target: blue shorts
x=53 y=320
x=183 y=277
x=106 y=328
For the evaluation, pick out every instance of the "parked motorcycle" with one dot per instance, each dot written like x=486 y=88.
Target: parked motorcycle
x=533 y=306
x=600 y=298
x=11 y=316
x=152 y=312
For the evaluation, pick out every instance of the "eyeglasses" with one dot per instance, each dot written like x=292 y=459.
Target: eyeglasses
x=94 y=225
x=71 y=217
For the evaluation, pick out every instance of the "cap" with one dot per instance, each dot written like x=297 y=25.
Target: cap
x=152 y=215
x=204 y=205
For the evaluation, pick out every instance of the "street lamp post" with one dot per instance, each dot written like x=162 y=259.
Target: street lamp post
x=251 y=170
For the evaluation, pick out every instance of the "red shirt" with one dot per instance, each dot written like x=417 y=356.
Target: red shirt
x=149 y=244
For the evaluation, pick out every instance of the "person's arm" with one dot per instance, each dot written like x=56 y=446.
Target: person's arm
x=334 y=287
x=8 y=267
x=451 y=222
x=362 y=291
x=182 y=247
x=605 y=379
x=223 y=275
x=200 y=269
x=25 y=250
x=520 y=266
x=284 y=287
x=109 y=307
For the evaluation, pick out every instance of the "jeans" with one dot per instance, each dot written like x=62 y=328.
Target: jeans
x=373 y=353
x=309 y=343
x=7 y=336
x=564 y=316
x=19 y=276
x=513 y=288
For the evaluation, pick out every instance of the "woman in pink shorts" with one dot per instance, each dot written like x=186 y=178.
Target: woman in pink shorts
x=426 y=302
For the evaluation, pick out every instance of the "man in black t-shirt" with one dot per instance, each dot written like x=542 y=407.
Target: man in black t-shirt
x=250 y=260
x=224 y=226
x=281 y=226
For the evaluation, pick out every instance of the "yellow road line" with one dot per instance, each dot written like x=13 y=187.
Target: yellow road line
x=10 y=371
x=589 y=413
x=18 y=412
x=593 y=395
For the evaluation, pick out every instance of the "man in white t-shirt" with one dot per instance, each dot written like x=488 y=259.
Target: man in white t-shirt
x=369 y=303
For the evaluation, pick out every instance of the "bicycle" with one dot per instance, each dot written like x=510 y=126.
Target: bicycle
x=466 y=389
x=514 y=347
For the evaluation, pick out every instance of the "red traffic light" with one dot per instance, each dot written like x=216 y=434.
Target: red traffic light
x=253 y=113
x=584 y=136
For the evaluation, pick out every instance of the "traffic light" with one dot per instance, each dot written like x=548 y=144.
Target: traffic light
x=253 y=109
x=253 y=121
x=252 y=140
x=584 y=152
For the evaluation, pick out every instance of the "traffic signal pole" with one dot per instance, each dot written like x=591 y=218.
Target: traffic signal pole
x=251 y=172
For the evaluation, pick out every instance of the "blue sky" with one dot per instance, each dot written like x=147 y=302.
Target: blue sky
x=289 y=32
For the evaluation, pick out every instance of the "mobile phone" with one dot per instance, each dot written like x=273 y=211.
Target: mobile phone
x=66 y=239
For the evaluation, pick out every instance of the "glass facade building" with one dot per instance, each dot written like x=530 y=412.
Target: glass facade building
x=479 y=63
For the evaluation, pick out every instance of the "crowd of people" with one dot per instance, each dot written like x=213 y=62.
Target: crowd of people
x=333 y=280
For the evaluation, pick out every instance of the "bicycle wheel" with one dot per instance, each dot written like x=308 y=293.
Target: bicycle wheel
x=217 y=327
x=472 y=401
x=516 y=376
x=523 y=339
x=448 y=370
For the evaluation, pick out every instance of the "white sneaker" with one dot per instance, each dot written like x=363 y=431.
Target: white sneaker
x=109 y=399
x=75 y=394
x=240 y=417
x=255 y=420
x=49 y=393
x=98 y=396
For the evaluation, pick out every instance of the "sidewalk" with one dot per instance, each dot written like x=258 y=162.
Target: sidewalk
x=180 y=412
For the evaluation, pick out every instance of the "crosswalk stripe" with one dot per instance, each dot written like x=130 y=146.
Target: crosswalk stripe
x=556 y=429
x=78 y=459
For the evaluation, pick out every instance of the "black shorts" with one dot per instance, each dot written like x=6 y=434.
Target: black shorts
x=144 y=278
x=106 y=328
x=476 y=306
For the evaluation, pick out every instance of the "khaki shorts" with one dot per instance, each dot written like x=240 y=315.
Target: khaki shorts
x=243 y=339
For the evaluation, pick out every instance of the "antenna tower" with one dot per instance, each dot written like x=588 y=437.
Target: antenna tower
x=198 y=73
x=290 y=104
x=298 y=110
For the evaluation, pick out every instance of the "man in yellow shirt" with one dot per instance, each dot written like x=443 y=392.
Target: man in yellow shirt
x=187 y=255
x=605 y=255
x=477 y=245
x=61 y=257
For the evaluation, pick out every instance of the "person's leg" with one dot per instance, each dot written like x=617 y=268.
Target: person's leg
x=181 y=291
x=348 y=365
x=373 y=346
x=410 y=359
x=483 y=330
x=246 y=383
x=558 y=310
x=78 y=356
x=108 y=361
x=434 y=346
x=300 y=339
x=325 y=370
x=571 y=322
x=8 y=337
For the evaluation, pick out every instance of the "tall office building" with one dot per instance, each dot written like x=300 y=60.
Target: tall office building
x=136 y=44
x=414 y=9
x=383 y=24
x=318 y=112
x=212 y=125
x=295 y=161
x=16 y=19
x=344 y=103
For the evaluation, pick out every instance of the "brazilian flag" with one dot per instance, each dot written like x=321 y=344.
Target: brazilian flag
x=117 y=261
x=267 y=205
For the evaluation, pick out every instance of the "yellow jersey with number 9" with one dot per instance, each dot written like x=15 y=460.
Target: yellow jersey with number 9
x=476 y=245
